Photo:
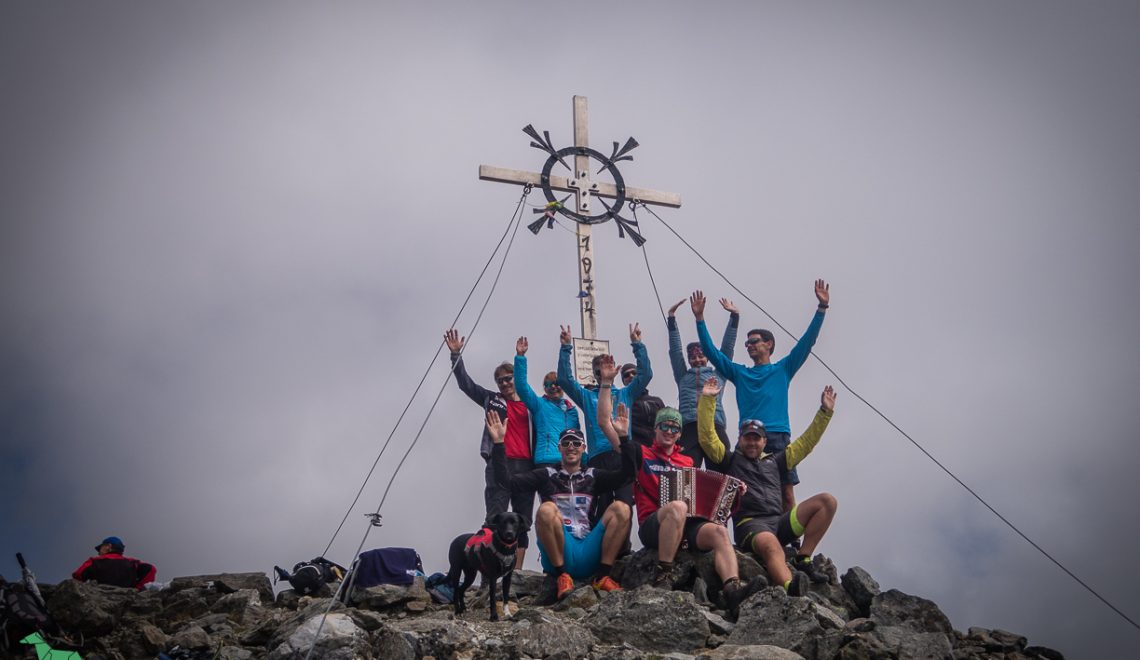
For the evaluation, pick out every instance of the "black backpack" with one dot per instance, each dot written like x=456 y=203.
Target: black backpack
x=21 y=615
x=309 y=576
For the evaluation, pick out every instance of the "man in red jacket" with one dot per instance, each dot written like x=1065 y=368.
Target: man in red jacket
x=111 y=567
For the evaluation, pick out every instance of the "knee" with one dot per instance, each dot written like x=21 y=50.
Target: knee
x=619 y=511
x=828 y=502
x=548 y=512
x=720 y=538
x=675 y=511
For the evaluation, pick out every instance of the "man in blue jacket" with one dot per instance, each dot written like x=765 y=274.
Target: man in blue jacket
x=552 y=413
x=762 y=389
x=691 y=378
x=602 y=454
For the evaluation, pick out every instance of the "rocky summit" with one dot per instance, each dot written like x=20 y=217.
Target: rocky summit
x=236 y=616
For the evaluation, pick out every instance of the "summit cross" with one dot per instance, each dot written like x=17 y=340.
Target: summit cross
x=583 y=188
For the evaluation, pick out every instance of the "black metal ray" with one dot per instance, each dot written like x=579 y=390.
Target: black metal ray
x=625 y=226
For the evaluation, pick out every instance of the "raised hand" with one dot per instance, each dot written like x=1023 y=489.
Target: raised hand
x=607 y=370
x=822 y=292
x=697 y=302
x=621 y=422
x=711 y=387
x=454 y=341
x=827 y=399
x=521 y=345
x=496 y=427
x=564 y=336
x=673 y=309
x=634 y=333
x=729 y=306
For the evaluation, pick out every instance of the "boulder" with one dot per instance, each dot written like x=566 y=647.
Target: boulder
x=895 y=608
x=772 y=618
x=89 y=608
x=193 y=637
x=907 y=644
x=558 y=639
x=385 y=596
x=650 y=620
x=753 y=652
x=340 y=639
x=862 y=588
x=226 y=583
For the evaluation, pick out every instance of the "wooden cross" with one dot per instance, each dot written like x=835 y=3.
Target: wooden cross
x=583 y=188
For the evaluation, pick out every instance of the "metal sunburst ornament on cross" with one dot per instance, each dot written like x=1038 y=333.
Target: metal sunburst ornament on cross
x=582 y=186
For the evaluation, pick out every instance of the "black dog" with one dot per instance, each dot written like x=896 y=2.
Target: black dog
x=491 y=552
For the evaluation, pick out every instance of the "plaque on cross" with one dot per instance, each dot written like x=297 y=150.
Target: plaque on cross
x=584 y=189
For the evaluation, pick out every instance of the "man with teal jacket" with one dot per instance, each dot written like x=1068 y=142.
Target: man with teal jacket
x=552 y=413
x=762 y=389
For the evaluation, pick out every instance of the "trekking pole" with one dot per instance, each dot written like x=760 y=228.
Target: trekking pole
x=30 y=580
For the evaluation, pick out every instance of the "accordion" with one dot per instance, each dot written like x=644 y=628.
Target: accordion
x=708 y=494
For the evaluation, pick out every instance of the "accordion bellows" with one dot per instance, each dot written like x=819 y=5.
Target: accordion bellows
x=707 y=494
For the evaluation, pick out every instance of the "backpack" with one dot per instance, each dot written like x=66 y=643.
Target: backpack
x=309 y=576
x=20 y=615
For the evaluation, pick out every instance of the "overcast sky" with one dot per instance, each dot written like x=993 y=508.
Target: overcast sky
x=233 y=235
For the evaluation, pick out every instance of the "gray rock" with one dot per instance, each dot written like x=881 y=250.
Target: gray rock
x=718 y=624
x=773 y=618
x=526 y=584
x=288 y=598
x=239 y=605
x=862 y=588
x=835 y=598
x=424 y=636
x=340 y=639
x=543 y=640
x=226 y=583
x=895 y=608
x=1043 y=652
x=87 y=607
x=234 y=653
x=582 y=597
x=907 y=643
x=153 y=639
x=753 y=652
x=385 y=596
x=193 y=637
x=860 y=625
x=650 y=620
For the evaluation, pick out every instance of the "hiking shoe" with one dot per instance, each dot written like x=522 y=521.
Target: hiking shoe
x=665 y=578
x=798 y=585
x=606 y=583
x=815 y=573
x=565 y=585
x=733 y=597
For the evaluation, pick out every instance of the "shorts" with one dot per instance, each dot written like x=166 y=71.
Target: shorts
x=649 y=532
x=580 y=557
x=779 y=442
x=785 y=526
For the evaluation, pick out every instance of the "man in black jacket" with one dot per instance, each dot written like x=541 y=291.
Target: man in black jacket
x=643 y=413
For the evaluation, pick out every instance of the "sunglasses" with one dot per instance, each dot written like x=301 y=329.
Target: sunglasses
x=571 y=444
x=666 y=427
x=629 y=374
x=549 y=384
x=752 y=341
x=503 y=380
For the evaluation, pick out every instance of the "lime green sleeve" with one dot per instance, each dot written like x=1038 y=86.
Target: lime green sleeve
x=802 y=446
x=706 y=429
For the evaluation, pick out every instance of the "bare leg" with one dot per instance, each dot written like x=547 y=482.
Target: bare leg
x=816 y=514
x=520 y=557
x=768 y=549
x=672 y=517
x=548 y=525
x=617 y=522
x=715 y=537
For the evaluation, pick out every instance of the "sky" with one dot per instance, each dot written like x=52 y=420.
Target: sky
x=232 y=236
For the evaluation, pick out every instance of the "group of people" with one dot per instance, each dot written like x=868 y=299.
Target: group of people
x=590 y=481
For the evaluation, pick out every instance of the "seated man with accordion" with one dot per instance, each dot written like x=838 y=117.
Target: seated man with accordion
x=760 y=523
x=677 y=506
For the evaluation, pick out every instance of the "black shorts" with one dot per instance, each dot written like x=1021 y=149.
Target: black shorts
x=748 y=528
x=650 y=531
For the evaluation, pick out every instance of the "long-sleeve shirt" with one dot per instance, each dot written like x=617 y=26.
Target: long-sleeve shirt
x=587 y=399
x=764 y=496
x=520 y=432
x=116 y=569
x=550 y=418
x=690 y=380
x=762 y=389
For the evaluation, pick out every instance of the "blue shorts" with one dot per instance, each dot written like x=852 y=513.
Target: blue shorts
x=580 y=557
x=779 y=442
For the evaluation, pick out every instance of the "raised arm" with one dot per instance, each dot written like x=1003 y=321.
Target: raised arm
x=802 y=349
x=676 y=356
x=802 y=446
x=566 y=379
x=711 y=443
x=476 y=393
x=728 y=343
x=607 y=371
x=717 y=359
x=640 y=382
x=522 y=385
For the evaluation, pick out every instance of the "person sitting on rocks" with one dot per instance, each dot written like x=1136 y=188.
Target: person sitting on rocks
x=760 y=524
x=568 y=545
x=111 y=567
x=668 y=528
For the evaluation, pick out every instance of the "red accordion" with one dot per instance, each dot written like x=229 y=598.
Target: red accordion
x=708 y=494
